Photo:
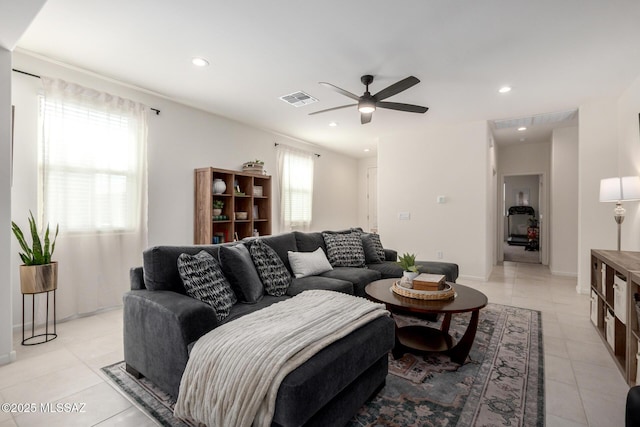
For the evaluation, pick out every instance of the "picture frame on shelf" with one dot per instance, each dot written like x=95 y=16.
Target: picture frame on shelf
x=255 y=212
x=257 y=191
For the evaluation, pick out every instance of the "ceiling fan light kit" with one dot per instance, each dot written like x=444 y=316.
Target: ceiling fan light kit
x=368 y=103
x=366 y=106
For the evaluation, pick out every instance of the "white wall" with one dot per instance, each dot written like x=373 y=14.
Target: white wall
x=563 y=213
x=629 y=160
x=597 y=159
x=526 y=159
x=180 y=139
x=183 y=138
x=609 y=146
x=7 y=354
x=413 y=169
x=335 y=192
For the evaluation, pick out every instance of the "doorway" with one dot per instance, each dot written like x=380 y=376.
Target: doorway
x=522 y=197
x=372 y=199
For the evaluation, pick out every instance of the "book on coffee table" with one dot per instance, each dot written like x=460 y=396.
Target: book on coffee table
x=429 y=282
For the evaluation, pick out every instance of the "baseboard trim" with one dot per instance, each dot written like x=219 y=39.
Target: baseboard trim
x=8 y=358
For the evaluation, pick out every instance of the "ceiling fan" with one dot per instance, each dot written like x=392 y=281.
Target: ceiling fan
x=368 y=103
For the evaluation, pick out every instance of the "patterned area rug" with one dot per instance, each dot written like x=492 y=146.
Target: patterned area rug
x=500 y=384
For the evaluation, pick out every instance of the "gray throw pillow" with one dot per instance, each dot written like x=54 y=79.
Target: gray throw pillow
x=305 y=264
x=272 y=271
x=237 y=266
x=344 y=249
x=204 y=280
x=373 y=250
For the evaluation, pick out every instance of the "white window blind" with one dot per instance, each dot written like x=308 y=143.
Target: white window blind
x=296 y=187
x=92 y=159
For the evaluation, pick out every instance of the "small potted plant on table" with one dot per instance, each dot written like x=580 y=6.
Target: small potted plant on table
x=408 y=263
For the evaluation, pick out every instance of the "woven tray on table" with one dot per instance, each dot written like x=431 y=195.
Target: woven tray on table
x=447 y=293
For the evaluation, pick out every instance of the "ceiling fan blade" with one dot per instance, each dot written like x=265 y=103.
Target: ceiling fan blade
x=331 y=109
x=396 y=88
x=365 y=118
x=341 y=91
x=410 y=108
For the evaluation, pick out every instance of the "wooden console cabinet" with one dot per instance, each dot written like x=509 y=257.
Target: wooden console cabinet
x=254 y=198
x=615 y=278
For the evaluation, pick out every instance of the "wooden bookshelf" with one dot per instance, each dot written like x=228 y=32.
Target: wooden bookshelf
x=615 y=278
x=208 y=229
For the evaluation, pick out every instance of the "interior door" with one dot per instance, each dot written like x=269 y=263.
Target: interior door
x=372 y=198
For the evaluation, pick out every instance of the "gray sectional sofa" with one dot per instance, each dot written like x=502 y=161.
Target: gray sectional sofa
x=161 y=324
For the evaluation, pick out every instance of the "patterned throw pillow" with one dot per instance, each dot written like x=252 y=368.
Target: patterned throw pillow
x=373 y=250
x=344 y=249
x=203 y=280
x=272 y=271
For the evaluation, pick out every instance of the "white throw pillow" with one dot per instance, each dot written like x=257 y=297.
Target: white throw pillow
x=306 y=264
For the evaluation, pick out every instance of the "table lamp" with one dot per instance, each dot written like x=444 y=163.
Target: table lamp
x=618 y=190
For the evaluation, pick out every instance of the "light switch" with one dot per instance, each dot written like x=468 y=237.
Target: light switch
x=404 y=216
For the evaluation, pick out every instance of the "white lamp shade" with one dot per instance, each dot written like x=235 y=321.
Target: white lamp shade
x=610 y=190
x=631 y=188
x=618 y=189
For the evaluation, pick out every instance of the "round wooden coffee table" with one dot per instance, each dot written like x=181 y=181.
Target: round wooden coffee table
x=424 y=339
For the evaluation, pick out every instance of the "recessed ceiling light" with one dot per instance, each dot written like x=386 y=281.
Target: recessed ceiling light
x=521 y=128
x=333 y=124
x=504 y=89
x=366 y=150
x=199 y=62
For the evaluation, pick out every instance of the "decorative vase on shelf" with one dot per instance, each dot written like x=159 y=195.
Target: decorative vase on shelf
x=217 y=212
x=219 y=186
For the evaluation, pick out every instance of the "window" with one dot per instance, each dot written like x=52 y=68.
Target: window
x=92 y=159
x=296 y=185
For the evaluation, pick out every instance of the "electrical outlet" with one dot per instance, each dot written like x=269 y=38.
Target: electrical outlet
x=439 y=254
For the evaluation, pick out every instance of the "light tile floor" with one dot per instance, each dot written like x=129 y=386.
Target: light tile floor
x=583 y=385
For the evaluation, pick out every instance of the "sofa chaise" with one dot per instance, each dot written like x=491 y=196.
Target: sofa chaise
x=162 y=323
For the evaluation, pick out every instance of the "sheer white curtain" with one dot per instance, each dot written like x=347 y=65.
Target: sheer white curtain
x=295 y=176
x=93 y=184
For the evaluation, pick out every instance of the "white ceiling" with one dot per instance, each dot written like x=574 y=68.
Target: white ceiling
x=15 y=17
x=555 y=54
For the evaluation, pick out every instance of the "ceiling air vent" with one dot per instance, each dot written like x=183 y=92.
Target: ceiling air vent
x=298 y=99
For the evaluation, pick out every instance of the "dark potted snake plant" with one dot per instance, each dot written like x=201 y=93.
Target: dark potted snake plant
x=37 y=273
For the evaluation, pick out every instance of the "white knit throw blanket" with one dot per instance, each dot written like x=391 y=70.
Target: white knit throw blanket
x=234 y=372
